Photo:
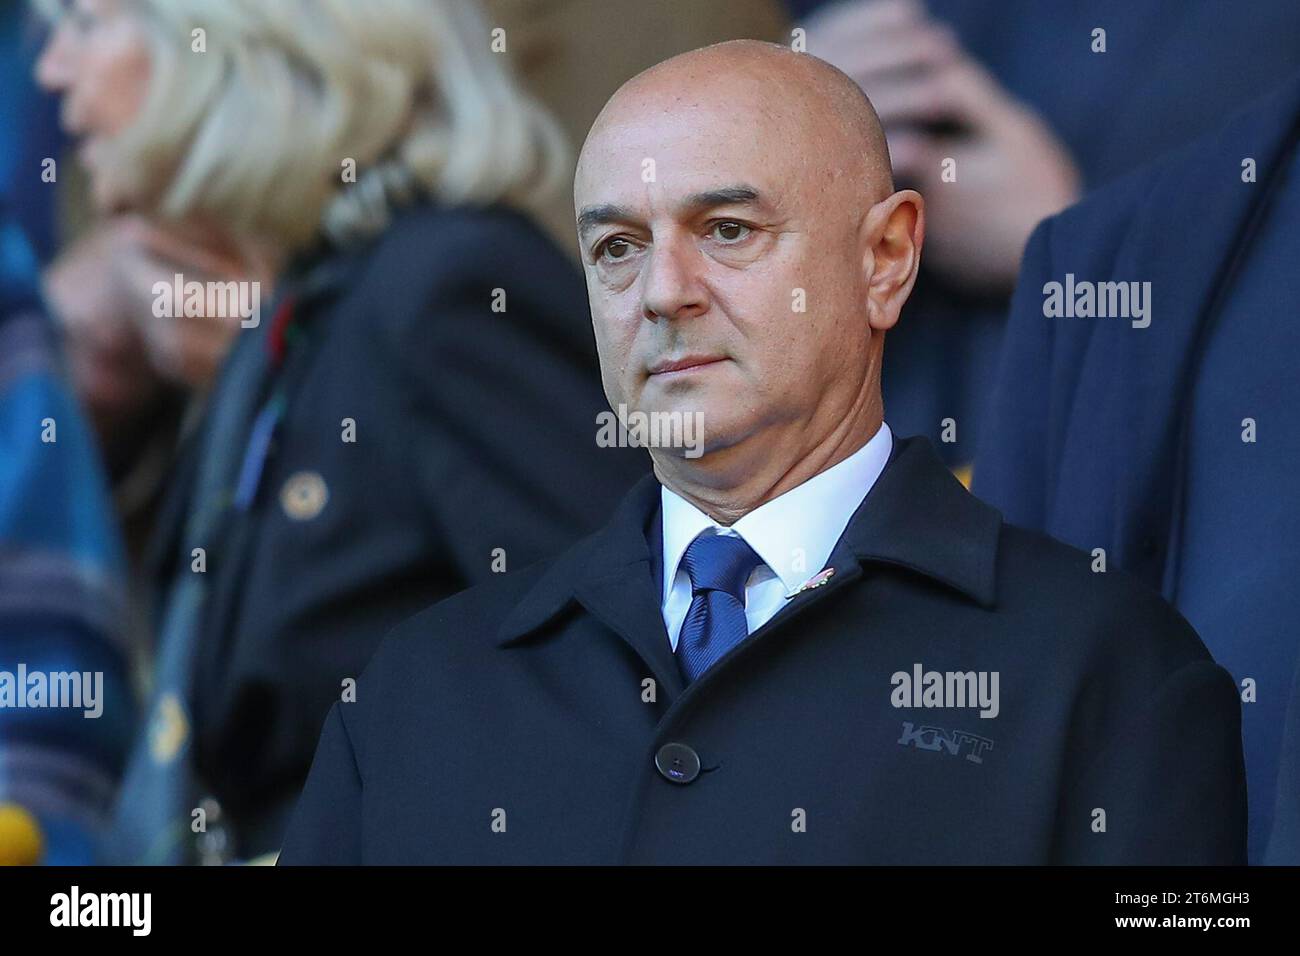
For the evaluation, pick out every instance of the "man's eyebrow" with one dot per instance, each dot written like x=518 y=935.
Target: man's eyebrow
x=601 y=215
x=606 y=213
x=739 y=195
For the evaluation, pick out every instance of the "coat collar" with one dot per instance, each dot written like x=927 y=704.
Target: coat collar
x=917 y=516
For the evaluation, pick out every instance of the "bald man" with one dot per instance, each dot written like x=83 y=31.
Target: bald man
x=801 y=640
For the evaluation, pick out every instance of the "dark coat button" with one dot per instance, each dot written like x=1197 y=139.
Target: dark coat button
x=678 y=763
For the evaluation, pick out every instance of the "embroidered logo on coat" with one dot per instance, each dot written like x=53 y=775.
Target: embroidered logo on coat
x=955 y=742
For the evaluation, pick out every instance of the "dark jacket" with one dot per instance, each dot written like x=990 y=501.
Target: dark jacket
x=549 y=702
x=475 y=430
x=1086 y=430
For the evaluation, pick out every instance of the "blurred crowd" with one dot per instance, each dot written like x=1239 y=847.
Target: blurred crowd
x=294 y=342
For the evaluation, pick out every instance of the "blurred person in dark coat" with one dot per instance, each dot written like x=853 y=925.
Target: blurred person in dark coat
x=772 y=652
x=61 y=593
x=414 y=411
x=1004 y=111
x=141 y=374
x=1165 y=439
x=140 y=378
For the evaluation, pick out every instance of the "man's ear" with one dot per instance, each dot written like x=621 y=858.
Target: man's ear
x=893 y=232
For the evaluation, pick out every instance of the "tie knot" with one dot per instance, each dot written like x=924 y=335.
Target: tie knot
x=720 y=562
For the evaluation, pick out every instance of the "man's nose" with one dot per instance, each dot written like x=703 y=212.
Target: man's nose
x=671 y=285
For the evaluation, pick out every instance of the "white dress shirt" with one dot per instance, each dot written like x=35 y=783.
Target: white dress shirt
x=794 y=534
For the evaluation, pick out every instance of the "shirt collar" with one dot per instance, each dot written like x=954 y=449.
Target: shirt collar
x=794 y=533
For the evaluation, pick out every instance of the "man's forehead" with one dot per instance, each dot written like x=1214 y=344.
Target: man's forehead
x=691 y=132
x=795 y=129
x=674 y=163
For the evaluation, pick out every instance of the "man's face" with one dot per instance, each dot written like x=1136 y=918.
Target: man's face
x=722 y=267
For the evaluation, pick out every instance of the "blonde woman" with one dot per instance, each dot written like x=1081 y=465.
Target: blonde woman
x=398 y=423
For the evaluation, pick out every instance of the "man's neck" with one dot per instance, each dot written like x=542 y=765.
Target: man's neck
x=731 y=482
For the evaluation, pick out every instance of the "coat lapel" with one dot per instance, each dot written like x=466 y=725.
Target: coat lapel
x=610 y=575
x=626 y=601
x=921 y=518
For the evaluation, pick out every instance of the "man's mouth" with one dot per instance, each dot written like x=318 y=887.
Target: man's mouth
x=686 y=364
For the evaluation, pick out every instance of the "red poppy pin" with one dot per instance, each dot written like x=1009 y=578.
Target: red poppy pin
x=816 y=581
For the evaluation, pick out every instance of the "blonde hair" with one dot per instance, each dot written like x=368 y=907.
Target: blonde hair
x=259 y=130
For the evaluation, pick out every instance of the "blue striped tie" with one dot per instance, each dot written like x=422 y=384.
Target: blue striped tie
x=718 y=566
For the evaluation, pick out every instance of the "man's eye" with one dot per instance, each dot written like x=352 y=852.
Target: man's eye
x=731 y=231
x=615 y=249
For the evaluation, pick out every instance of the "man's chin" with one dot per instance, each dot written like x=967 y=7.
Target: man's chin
x=677 y=426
